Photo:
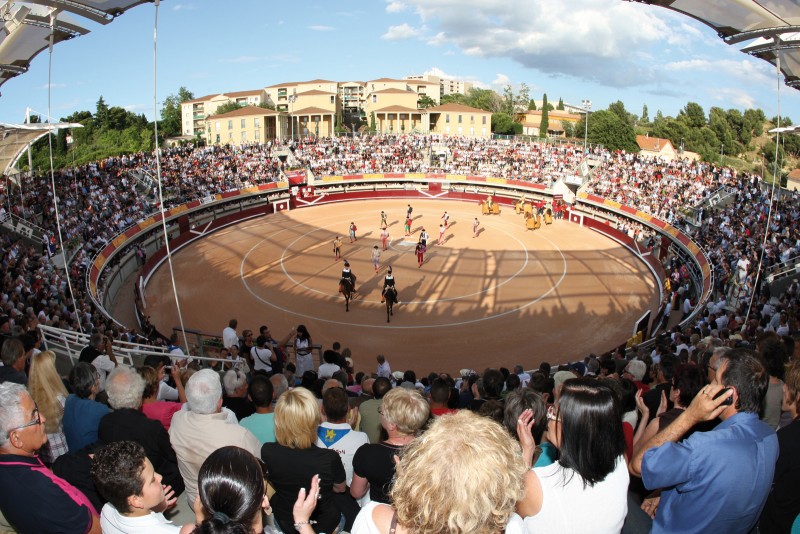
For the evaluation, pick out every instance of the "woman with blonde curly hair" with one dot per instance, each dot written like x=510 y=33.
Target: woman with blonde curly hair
x=49 y=394
x=403 y=412
x=293 y=461
x=462 y=476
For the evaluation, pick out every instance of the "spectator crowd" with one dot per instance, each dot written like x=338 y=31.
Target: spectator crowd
x=637 y=440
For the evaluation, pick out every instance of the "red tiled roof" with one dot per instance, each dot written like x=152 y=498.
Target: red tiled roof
x=313 y=111
x=394 y=91
x=244 y=112
x=400 y=109
x=315 y=92
x=653 y=144
x=456 y=108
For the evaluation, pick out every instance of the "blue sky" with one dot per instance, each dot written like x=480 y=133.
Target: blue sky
x=603 y=50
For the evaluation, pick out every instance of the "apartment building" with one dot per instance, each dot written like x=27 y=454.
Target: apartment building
x=460 y=120
x=245 y=125
x=194 y=112
x=312 y=106
x=446 y=86
x=394 y=107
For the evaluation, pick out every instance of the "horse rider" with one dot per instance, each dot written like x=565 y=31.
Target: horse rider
x=346 y=274
x=388 y=281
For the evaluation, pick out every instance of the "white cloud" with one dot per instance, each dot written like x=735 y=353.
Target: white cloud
x=502 y=80
x=745 y=70
x=54 y=86
x=739 y=97
x=179 y=7
x=605 y=41
x=133 y=108
x=395 y=7
x=403 y=31
x=321 y=28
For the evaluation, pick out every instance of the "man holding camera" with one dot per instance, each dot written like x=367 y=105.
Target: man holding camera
x=715 y=481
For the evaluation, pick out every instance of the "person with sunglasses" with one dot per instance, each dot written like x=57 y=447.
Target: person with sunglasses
x=39 y=501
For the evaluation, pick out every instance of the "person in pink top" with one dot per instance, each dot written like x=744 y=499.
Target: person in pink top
x=161 y=411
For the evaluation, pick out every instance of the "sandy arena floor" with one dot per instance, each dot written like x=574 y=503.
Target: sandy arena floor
x=508 y=296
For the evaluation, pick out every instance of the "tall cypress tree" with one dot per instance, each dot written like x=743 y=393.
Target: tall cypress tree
x=545 y=118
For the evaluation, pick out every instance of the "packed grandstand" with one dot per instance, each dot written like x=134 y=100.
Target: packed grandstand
x=99 y=200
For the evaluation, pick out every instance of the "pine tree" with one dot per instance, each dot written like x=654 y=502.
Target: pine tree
x=560 y=105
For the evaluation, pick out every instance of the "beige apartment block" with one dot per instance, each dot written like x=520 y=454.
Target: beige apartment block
x=246 y=125
x=460 y=120
x=394 y=109
x=194 y=112
x=312 y=106
x=531 y=120
x=446 y=86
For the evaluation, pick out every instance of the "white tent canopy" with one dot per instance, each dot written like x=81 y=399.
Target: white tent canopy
x=15 y=138
x=25 y=30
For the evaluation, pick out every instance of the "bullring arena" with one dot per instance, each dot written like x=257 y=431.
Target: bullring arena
x=510 y=295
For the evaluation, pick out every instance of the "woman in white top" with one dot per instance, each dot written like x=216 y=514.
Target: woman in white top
x=591 y=474
x=302 y=350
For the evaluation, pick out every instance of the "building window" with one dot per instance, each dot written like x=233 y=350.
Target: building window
x=244 y=137
x=230 y=136
x=484 y=119
x=244 y=123
x=447 y=118
x=257 y=122
x=472 y=118
x=218 y=138
x=333 y=99
x=374 y=98
x=230 y=124
x=216 y=126
x=459 y=119
x=258 y=135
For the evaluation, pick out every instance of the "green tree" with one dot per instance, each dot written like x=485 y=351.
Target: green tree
x=693 y=115
x=569 y=129
x=228 y=107
x=170 y=125
x=484 y=99
x=508 y=100
x=523 y=97
x=425 y=102
x=608 y=129
x=560 y=105
x=618 y=109
x=372 y=123
x=785 y=121
x=503 y=124
x=753 y=121
x=455 y=98
x=768 y=153
x=545 y=123
x=267 y=105
x=532 y=105
x=645 y=118
x=101 y=113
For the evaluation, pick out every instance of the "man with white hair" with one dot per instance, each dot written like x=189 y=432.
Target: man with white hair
x=33 y=498
x=127 y=423
x=203 y=428
x=235 y=399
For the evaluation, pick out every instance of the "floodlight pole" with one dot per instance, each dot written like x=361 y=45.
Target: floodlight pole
x=292 y=99
x=587 y=105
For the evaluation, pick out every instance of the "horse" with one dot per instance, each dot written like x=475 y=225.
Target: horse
x=390 y=296
x=346 y=289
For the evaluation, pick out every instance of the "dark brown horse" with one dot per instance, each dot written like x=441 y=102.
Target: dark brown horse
x=390 y=296
x=346 y=289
